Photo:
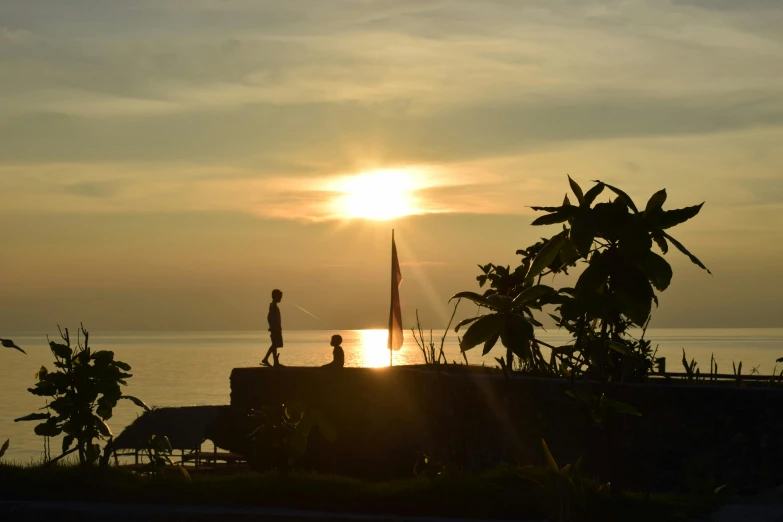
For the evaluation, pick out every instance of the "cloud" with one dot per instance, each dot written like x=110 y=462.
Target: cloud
x=246 y=105
x=94 y=189
x=195 y=56
x=729 y=5
x=14 y=36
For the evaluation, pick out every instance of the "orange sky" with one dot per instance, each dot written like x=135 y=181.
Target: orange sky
x=164 y=165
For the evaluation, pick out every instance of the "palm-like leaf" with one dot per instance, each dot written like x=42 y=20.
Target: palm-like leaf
x=623 y=196
x=473 y=296
x=531 y=294
x=482 y=330
x=685 y=251
x=8 y=343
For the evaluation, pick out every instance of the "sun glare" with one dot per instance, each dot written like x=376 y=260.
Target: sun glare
x=378 y=195
x=374 y=349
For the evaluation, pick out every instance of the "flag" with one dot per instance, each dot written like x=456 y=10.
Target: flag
x=395 y=314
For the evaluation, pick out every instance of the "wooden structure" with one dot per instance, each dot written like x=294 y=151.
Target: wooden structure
x=187 y=429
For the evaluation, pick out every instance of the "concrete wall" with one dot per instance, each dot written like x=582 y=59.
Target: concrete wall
x=689 y=436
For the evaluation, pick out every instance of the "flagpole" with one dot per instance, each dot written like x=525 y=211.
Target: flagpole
x=391 y=306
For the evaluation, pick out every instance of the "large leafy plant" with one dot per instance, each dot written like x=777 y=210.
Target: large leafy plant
x=614 y=293
x=510 y=320
x=82 y=392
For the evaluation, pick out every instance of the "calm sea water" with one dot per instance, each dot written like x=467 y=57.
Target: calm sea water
x=192 y=368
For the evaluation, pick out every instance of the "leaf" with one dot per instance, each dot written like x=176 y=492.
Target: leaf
x=103 y=357
x=67 y=441
x=631 y=281
x=532 y=293
x=490 y=343
x=103 y=428
x=517 y=334
x=42 y=373
x=551 y=219
x=138 y=402
x=582 y=235
x=623 y=196
x=684 y=250
x=670 y=218
x=551 y=209
x=595 y=275
x=4 y=447
x=618 y=347
x=568 y=255
x=657 y=236
x=685 y=363
x=655 y=202
x=548 y=458
x=481 y=331
x=93 y=452
x=122 y=366
x=8 y=343
x=61 y=351
x=44 y=389
x=580 y=197
x=47 y=429
x=594 y=193
x=564 y=349
x=637 y=310
x=657 y=270
x=473 y=296
x=500 y=303
x=546 y=255
x=34 y=416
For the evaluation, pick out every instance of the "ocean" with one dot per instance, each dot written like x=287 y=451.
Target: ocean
x=193 y=368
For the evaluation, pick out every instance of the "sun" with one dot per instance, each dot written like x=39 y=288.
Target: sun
x=377 y=195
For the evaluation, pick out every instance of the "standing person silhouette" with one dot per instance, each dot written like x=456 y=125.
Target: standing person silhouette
x=275 y=328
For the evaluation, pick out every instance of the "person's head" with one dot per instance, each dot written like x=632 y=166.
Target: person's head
x=277 y=295
x=337 y=340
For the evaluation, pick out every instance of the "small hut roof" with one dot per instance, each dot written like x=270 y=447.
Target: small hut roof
x=186 y=427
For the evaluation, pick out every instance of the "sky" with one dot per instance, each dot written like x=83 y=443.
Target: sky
x=164 y=164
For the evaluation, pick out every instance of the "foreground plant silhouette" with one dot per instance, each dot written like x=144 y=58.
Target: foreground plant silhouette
x=83 y=390
x=280 y=435
x=613 y=295
x=8 y=343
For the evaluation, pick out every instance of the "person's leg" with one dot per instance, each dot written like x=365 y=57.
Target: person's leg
x=275 y=355
x=269 y=352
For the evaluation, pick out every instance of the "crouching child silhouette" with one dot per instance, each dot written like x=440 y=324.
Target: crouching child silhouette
x=275 y=328
x=337 y=354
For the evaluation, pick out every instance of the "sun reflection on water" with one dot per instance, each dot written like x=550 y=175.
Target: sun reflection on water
x=374 y=351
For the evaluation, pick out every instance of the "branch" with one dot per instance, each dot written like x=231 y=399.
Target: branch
x=443 y=339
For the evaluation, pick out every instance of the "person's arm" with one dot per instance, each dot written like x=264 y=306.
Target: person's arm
x=274 y=318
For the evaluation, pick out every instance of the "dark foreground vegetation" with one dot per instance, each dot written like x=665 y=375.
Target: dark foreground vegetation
x=503 y=493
